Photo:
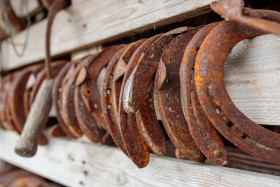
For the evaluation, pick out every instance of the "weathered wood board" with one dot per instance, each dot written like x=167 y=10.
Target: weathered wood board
x=74 y=163
x=93 y=22
x=21 y=10
x=252 y=78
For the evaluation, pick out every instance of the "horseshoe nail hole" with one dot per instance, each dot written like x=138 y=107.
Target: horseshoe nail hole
x=108 y=92
x=85 y=173
x=85 y=25
x=229 y=124
x=243 y=136
x=95 y=105
x=168 y=95
x=192 y=70
x=169 y=61
x=197 y=48
x=218 y=110
x=109 y=107
x=246 y=12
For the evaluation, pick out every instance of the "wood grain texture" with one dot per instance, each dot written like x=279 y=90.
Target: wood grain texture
x=85 y=52
x=20 y=7
x=238 y=159
x=75 y=163
x=93 y=22
x=252 y=78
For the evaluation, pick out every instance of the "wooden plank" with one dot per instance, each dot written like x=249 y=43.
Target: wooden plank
x=85 y=52
x=74 y=163
x=20 y=7
x=93 y=22
x=239 y=159
x=252 y=78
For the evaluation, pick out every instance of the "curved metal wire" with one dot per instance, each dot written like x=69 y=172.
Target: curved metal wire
x=28 y=19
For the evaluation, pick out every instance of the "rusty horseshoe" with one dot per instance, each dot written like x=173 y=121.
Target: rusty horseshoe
x=215 y=101
x=203 y=132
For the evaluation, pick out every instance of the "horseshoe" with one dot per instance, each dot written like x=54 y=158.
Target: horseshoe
x=87 y=83
x=29 y=87
x=67 y=98
x=5 y=87
x=136 y=147
x=18 y=98
x=168 y=92
x=138 y=97
x=42 y=75
x=56 y=99
x=89 y=87
x=115 y=79
x=8 y=178
x=202 y=131
x=215 y=101
x=107 y=139
x=106 y=100
x=9 y=119
x=15 y=100
x=57 y=131
x=85 y=119
x=232 y=10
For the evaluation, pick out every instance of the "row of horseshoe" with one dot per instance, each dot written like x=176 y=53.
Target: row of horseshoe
x=182 y=69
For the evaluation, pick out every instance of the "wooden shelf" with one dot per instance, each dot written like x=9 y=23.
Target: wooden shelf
x=251 y=78
x=75 y=163
x=91 y=22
